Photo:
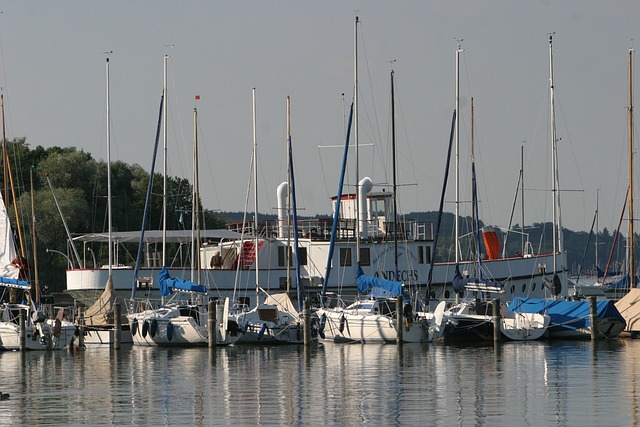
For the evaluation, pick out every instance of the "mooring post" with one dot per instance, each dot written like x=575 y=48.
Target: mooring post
x=306 y=319
x=212 y=323
x=80 y=327
x=496 y=320
x=117 y=326
x=23 y=332
x=400 y=324
x=593 y=317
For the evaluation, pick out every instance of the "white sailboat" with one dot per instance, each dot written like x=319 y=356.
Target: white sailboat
x=177 y=323
x=25 y=325
x=569 y=319
x=98 y=322
x=378 y=318
x=276 y=320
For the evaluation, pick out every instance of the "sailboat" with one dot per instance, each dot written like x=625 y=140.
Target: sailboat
x=472 y=318
x=97 y=321
x=569 y=319
x=382 y=316
x=174 y=322
x=24 y=325
x=276 y=320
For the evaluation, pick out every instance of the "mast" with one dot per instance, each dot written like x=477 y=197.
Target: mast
x=109 y=212
x=355 y=106
x=5 y=156
x=457 y=131
x=597 y=226
x=33 y=235
x=522 y=198
x=255 y=192
x=289 y=171
x=195 y=209
x=164 y=167
x=631 y=248
x=557 y=225
x=395 y=188
x=475 y=239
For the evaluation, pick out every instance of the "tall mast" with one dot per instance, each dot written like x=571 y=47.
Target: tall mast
x=164 y=165
x=522 y=197
x=5 y=156
x=631 y=249
x=557 y=225
x=109 y=212
x=195 y=209
x=33 y=235
x=355 y=107
x=288 y=195
x=395 y=187
x=457 y=130
x=255 y=192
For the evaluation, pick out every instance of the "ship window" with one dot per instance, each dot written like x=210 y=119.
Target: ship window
x=533 y=288
x=345 y=257
x=365 y=256
x=524 y=287
x=447 y=294
x=302 y=256
x=424 y=254
x=513 y=289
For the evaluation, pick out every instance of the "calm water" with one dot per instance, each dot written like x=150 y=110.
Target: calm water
x=534 y=383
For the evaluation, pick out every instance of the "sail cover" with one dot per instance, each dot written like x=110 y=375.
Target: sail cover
x=378 y=286
x=566 y=314
x=167 y=284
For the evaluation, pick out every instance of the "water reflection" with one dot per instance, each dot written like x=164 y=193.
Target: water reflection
x=535 y=383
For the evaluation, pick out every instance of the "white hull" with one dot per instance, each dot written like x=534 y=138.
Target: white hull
x=40 y=337
x=167 y=327
x=524 y=326
x=342 y=326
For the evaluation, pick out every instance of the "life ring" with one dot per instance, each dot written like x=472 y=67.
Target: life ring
x=169 y=331
x=134 y=327
x=153 y=328
x=145 y=329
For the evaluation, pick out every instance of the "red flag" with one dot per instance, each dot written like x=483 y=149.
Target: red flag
x=197 y=96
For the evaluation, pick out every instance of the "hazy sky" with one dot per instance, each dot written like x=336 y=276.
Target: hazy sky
x=53 y=78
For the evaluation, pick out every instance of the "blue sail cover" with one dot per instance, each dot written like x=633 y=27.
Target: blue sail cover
x=167 y=284
x=379 y=287
x=566 y=314
x=14 y=283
